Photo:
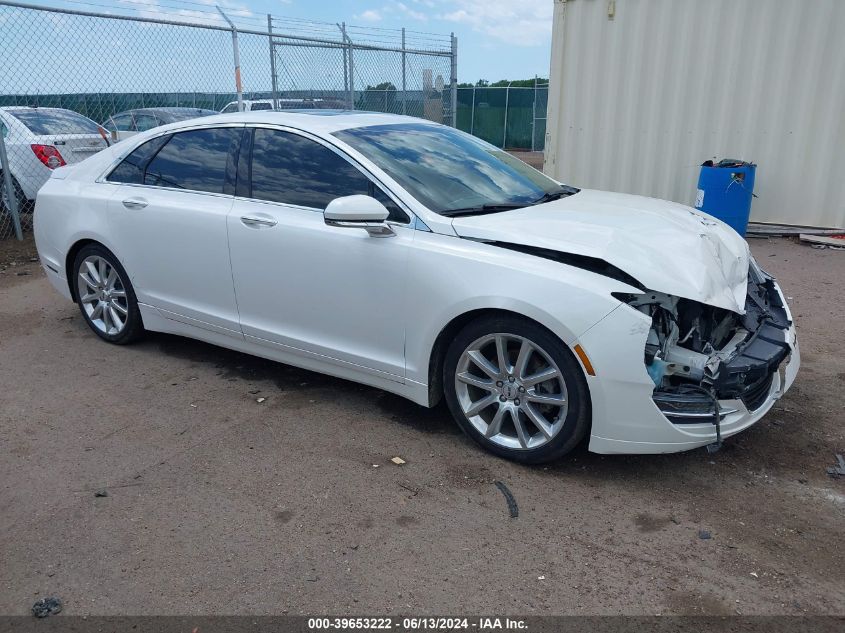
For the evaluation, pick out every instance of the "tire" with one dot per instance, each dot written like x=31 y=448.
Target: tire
x=112 y=311
x=543 y=385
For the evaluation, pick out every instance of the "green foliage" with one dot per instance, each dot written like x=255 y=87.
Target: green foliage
x=384 y=85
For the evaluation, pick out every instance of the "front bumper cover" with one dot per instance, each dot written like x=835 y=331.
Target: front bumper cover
x=626 y=418
x=748 y=375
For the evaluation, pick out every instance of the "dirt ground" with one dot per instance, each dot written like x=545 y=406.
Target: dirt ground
x=535 y=159
x=218 y=504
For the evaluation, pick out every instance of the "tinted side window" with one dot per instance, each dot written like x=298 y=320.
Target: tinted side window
x=124 y=123
x=296 y=170
x=194 y=160
x=131 y=169
x=232 y=107
x=145 y=122
x=260 y=106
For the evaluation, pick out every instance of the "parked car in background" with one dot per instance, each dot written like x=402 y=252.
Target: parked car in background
x=37 y=141
x=128 y=123
x=249 y=105
x=253 y=105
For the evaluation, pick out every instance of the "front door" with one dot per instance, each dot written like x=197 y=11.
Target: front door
x=331 y=293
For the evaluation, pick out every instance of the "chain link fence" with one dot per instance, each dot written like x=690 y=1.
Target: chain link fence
x=512 y=118
x=74 y=82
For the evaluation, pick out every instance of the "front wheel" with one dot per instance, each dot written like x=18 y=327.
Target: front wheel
x=516 y=389
x=105 y=296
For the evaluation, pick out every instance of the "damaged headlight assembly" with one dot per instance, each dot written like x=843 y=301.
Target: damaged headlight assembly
x=698 y=355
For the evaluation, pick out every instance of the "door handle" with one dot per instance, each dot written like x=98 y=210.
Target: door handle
x=258 y=222
x=135 y=203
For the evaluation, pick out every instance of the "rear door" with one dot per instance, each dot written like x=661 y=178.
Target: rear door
x=168 y=219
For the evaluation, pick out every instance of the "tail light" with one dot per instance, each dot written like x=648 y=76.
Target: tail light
x=48 y=155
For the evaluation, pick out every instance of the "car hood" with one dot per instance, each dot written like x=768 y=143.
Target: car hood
x=667 y=247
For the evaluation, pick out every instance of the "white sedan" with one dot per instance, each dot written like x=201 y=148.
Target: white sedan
x=38 y=140
x=418 y=259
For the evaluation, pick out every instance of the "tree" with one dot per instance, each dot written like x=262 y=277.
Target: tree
x=378 y=98
x=502 y=83
x=384 y=85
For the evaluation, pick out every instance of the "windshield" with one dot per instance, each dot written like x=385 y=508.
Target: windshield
x=42 y=121
x=449 y=171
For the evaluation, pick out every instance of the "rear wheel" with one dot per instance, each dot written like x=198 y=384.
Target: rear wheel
x=105 y=296
x=516 y=389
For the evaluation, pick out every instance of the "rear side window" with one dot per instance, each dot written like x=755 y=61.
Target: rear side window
x=195 y=160
x=131 y=169
x=260 y=106
x=145 y=122
x=295 y=170
x=124 y=123
x=41 y=121
x=232 y=107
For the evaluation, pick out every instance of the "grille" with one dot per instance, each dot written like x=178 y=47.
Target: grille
x=756 y=394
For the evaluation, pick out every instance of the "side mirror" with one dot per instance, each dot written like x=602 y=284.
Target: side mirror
x=359 y=212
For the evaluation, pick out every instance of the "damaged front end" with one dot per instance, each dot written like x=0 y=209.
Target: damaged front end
x=698 y=355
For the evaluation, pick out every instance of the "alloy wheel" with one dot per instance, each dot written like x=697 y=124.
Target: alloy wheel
x=103 y=295
x=511 y=391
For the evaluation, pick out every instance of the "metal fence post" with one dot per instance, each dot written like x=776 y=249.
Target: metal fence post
x=454 y=81
x=472 y=113
x=351 y=72
x=11 y=196
x=273 y=80
x=534 y=115
x=348 y=83
x=236 y=50
x=505 y=130
x=404 y=82
x=342 y=27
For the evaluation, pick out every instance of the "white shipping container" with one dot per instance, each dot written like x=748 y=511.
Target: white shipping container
x=643 y=91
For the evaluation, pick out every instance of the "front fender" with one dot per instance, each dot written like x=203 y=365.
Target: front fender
x=462 y=276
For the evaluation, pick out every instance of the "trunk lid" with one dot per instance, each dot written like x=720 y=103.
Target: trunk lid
x=75 y=148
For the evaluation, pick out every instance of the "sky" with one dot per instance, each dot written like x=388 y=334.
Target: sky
x=497 y=39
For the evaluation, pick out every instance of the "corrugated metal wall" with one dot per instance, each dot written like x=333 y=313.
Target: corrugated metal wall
x=638 y=101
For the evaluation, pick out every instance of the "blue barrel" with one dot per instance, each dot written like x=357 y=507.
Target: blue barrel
x=725 y=191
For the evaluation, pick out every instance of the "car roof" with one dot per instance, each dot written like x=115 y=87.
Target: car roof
x=318 y=121
x=18 y=108
x=171 y=109
x=165 y=110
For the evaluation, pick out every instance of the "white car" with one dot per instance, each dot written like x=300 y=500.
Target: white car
x=254 y=105
x=410 y=256
x=38 y=140
x=249 y=105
